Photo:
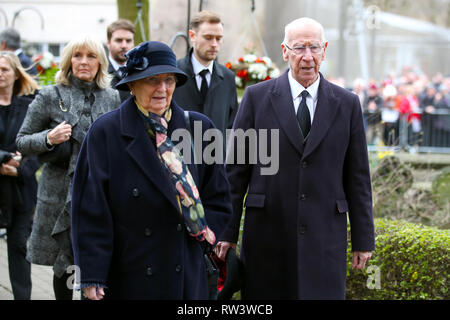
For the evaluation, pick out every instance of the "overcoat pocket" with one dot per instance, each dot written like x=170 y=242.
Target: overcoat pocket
x=342 y=206
x=255 y=200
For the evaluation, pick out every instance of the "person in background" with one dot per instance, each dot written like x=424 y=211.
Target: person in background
x=211 y=87
x=10 y=41
x=390 y=116
x=144 y=216
x=295 y=229
x=120 y=39
x=372 y=106
x=18 y=184
x=54 y=128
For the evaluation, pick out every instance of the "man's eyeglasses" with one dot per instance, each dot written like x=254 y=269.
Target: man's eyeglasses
x=156 y=81
x=301 y=49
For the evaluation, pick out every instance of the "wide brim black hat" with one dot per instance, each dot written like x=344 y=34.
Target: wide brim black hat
x=149 y=59
x=234 y=280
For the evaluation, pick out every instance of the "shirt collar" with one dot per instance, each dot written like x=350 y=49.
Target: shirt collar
x=297 y=88
x=197 y=66
x=114 y=63
x=18 y=51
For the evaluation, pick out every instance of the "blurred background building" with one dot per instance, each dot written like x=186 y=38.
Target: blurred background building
x=367 y=39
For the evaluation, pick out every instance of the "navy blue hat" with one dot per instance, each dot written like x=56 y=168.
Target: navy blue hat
x=148 y=59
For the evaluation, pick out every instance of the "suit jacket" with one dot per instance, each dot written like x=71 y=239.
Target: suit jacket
x=127 y=230
x=17 y=193
x=50 y=241
x=26 y=63
x=124 y=94
x=295 y=230
x=221 y=101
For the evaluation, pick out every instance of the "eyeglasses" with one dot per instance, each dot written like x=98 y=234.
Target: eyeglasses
x=156 y=81
x=301 y=49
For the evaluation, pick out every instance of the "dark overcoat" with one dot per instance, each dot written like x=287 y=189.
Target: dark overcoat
x=124 y=94
x=221 y=102
x=295 y=229
x=127 y=231
x=17 y=194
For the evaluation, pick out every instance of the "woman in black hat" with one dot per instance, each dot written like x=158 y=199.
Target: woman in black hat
x=142 y=215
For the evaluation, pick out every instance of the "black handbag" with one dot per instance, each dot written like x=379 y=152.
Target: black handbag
x=61 y=153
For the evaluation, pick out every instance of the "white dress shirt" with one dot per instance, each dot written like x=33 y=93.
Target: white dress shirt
x=198 y=67
x=113 y=62
x=311 y=99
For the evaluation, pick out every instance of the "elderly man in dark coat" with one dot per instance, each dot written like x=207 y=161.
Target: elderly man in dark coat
x=295 y=230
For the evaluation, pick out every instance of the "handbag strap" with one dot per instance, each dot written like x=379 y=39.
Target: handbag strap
x=60 y=100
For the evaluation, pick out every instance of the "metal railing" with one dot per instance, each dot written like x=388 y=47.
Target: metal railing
x=416 y=132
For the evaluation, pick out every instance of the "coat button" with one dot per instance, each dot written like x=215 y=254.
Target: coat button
x=178 y=268
x=149 y=271
x=302 y=229
x=303 y=196
x=135 y=192
x=148 y=232
x=304 y=164
x=179 y=227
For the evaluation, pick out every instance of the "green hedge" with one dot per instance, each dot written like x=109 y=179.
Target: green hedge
x=412 y=261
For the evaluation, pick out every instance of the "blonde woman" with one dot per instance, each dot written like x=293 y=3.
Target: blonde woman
x=17 y=181
x=54 y=129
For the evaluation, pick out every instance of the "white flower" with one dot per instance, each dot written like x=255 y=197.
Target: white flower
x=250 y=58
x=238 y=81
x=274 y=73
x=46 y=61
x=267 y=60
x=258 y=71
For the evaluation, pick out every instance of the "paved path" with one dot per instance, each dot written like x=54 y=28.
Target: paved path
x=41 y=277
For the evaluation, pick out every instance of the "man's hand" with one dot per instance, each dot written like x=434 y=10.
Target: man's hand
x=94 y=293
x=222 y=247
x=7 y=170
x=360 y=259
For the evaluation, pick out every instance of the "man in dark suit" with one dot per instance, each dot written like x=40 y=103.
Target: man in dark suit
x=215 y=96
x=10 y=41
x=295 y=230
x=120 y=39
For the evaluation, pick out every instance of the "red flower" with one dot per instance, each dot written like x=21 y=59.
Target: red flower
x=259 y=60
x=243 y=74
x=267 y=78
x=228 y=65
x=38 y=58
x=241 y=59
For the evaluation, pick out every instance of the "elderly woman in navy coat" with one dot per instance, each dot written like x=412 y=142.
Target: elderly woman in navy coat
x=142 y=215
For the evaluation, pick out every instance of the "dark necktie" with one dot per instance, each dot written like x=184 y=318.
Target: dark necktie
x=303 y=116
x=204 y=85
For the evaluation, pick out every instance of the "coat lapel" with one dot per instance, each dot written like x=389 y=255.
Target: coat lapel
x=326 y=109
x=283 y=107
x=143 y=151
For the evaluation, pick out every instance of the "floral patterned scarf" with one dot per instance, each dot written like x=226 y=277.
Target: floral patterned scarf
x=188 y=198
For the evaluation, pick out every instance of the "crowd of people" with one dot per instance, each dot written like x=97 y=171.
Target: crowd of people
x=417 y=102
x=116 y=197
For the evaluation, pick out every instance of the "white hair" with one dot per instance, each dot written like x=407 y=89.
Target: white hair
x=300 y=22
